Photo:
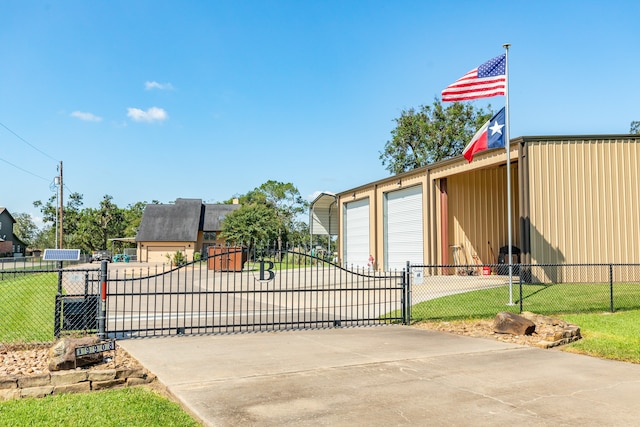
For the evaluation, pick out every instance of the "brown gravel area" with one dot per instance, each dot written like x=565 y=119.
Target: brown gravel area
x=32 y=359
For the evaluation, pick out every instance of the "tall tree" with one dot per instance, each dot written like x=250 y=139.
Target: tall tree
x=250 y=224
x=25 y=228
x=71 y=212
x=285 y=201
x=431 y=134
x=635 y=127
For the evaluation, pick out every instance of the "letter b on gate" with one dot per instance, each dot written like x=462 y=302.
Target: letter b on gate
x=266 y=273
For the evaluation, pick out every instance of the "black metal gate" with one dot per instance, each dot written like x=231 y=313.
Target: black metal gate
x=235 y=291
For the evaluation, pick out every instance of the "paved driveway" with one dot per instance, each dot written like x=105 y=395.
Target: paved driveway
x=387 y=375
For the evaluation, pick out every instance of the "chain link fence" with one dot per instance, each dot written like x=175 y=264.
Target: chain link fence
x=38 y=305
x=449 y=292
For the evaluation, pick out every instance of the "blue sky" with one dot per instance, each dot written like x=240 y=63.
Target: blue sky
x=155 y=100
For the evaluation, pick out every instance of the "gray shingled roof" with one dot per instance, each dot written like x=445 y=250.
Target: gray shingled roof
x=214 y=214
x=180 y=222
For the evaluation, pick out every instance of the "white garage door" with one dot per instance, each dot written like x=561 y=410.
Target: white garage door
x=356 y=240
x=403 y=228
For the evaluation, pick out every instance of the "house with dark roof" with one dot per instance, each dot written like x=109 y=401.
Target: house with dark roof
x=187 y=226
x=10 y=244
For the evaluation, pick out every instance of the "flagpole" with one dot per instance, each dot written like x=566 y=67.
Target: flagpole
x=507 y=145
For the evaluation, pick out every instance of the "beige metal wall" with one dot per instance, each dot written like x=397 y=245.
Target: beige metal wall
x=584 y=204
x=477 y=207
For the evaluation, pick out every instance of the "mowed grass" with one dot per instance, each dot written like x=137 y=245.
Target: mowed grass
x=137 y=406
x=613 y=336
x=27 y=305
x=542 y=299
x=606 y=335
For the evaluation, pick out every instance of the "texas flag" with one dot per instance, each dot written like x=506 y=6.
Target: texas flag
x=490 y=135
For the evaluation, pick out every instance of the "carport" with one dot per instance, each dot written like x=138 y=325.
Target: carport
x=323 y=218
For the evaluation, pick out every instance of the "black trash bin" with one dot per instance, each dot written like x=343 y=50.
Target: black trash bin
x=503 y=260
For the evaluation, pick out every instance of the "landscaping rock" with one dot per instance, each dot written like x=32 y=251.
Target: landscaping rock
x=509 y=323
x=62 y=355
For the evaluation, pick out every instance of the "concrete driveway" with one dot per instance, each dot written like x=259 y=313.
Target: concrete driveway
x=387 y=375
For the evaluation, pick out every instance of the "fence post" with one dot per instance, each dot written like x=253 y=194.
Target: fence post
x=58 y=310
x=103 y=300
x=520 y=288
x=611 y=287
x=406 y=295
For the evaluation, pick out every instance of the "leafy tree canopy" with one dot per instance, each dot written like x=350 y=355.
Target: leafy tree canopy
x=25 y=228
x=635 y=127
x=430 y=134
x=88 y=229
x=284 y=205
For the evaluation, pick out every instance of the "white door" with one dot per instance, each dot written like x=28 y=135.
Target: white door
x=356 y=239
x=403 y=240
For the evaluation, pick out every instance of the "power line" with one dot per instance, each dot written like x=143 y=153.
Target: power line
x=27 y=142
x=24 y=170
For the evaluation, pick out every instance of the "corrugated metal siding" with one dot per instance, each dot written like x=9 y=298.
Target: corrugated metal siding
x=478 y=213
x=584 y=201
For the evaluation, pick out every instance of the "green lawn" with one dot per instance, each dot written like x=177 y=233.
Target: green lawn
x=613 y=336
x=138 y=406
x=27 y=304
x=542 y=299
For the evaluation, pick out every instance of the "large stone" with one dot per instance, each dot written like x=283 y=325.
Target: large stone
x=34 y=381
x=9 y=394
x=36 y=392
x=102 y=385
x=73 y=388
x=102 y=375
x=62 y=355
x=8 y=382
x=509 y=323
x=67 y=378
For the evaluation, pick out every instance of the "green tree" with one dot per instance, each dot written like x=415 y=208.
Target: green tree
x=71 y=214
x=250 y=224
x=431 y=134
x=25 y=228
x=635 y=127
x=132 y=218
x=286 y=202
x=97 y=226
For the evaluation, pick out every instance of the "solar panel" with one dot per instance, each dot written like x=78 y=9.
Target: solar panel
x=61 y=255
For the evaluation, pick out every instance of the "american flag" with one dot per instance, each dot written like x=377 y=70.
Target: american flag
x=489 y=79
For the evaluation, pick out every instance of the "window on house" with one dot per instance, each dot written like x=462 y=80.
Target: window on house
x=209 y=235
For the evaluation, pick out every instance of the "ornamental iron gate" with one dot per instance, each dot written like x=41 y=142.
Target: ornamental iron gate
x=236 y=290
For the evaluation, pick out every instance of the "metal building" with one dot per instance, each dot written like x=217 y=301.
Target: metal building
x=574 y=200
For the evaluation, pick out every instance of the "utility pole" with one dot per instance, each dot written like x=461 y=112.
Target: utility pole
x=61 y=205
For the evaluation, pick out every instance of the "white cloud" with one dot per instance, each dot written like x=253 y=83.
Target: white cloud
x=153 y=114
x=156 y=85
x=87 y=117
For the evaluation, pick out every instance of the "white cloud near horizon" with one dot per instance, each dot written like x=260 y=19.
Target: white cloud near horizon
x=156 y=85
x=87 y=117
x=153 y=114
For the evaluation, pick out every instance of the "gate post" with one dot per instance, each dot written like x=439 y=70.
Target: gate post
x=406 y=294
x=103 y=300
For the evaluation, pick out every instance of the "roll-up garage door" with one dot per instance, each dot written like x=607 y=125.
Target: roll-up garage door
x=403 y=240
x=356 y=241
